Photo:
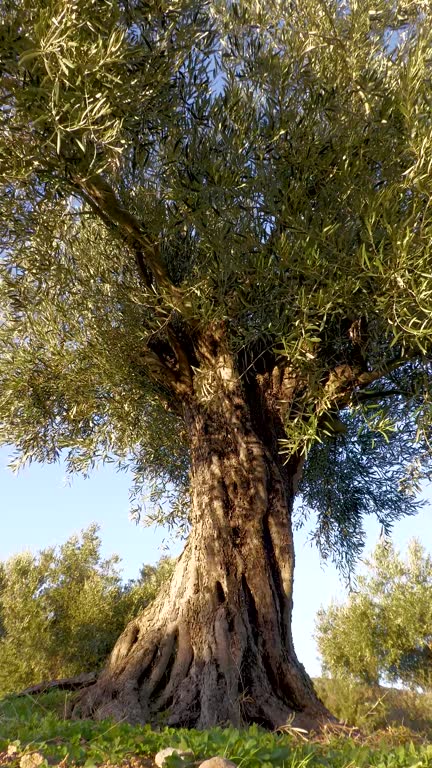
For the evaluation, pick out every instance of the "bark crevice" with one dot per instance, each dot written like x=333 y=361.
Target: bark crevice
x=276 y=577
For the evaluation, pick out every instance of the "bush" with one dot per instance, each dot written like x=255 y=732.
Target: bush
x=62 y=610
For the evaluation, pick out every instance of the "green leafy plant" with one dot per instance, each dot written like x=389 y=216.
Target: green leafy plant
x=37 y=724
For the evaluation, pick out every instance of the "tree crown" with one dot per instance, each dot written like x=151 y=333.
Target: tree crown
x=179 y=166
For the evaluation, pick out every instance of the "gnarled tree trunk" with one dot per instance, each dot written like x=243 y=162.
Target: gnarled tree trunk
x=215 y=647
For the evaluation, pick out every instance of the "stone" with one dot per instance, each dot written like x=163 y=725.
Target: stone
x=217 y=762
x=161 y=756
x=32 y=760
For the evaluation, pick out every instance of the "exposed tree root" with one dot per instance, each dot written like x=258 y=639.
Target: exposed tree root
x=65 y=684
x=213 y=663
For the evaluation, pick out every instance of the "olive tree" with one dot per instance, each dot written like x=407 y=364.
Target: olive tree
x=383 y=631
x=63 y=608
x=215 y=270
x=61 y=611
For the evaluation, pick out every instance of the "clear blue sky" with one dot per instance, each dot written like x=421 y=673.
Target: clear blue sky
x=38 y=509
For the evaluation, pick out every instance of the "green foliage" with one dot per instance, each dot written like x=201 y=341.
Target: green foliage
x=338 y=470
x=151 y=577
x=140 y=592
x=261 y=168
x=383 y=631
x=63 y=609
x=38 y=725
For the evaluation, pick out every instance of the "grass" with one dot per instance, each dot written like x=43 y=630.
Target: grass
x=37 y=724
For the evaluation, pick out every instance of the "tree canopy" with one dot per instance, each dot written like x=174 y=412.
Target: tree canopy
x=383 y=632
x=263 y=168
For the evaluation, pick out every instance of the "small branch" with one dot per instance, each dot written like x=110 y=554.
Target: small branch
x=110 y=224
x=184 y=369
x=158 y=370
x=345 y=380
x=96 y=209
x=368 y=377
x=364 y=395
x=177 y=380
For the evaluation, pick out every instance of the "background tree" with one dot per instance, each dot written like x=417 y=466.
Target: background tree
x=383 y=632
x=62 y=610
x=216 y=270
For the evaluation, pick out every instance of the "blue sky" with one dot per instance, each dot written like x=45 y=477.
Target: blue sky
x=39 y=509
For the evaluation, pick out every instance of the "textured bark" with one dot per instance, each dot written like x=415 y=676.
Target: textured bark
x=216 y=646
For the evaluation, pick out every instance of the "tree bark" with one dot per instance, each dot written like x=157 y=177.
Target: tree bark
x=215 y=647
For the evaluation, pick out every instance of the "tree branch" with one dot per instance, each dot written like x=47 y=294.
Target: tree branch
x=101 y=198
x=365 y=395
x=344 y=380
x=104 y=202
x=368 y=377
x=184 y=369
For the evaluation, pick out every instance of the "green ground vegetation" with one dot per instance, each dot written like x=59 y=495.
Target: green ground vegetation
x=377 y=709
x=38 y=725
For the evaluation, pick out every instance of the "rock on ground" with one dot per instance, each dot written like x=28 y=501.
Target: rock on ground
x=162 y=755
x=212 y=762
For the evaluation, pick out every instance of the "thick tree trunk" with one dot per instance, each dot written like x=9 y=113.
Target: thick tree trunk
x=216 y=647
